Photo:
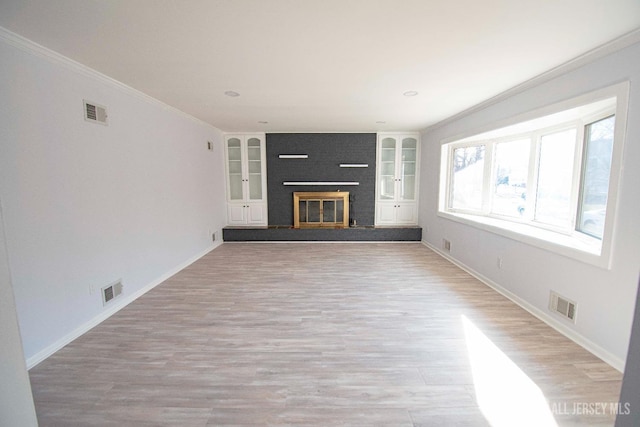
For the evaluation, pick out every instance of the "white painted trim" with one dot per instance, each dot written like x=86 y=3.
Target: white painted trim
x=354 y=165
x=54 y=57
x=126 y=300
x=587 y=344
x=321 y=183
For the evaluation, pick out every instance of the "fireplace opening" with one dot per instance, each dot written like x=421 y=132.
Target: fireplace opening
x=315 y=209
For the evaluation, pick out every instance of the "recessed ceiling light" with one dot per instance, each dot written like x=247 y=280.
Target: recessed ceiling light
x=410 y=93
x=232 y=93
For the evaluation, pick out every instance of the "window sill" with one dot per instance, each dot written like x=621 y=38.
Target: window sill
x=577 y=246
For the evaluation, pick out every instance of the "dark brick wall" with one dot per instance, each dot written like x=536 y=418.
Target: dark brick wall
x=352 y=234
x=326 y=151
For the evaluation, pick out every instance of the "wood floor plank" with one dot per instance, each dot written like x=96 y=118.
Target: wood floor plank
x=312 y=334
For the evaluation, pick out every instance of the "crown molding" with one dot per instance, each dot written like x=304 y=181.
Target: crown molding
x=601 y=51
x=33 y=48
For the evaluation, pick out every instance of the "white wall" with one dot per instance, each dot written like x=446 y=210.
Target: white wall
x=605 y=297
x=87 y=204
x=16 y=402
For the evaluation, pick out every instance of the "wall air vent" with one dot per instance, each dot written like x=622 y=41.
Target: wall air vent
x=562 y=306
x=111 y=292
x=95 y=113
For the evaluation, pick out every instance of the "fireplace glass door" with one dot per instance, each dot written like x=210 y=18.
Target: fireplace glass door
x=329 y=209
x=321 y=213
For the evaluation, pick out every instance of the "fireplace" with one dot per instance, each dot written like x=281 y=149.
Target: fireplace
x=313 y=209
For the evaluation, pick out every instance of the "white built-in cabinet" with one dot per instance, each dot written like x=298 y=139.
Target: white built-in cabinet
x=397 y=179
x=246 y=179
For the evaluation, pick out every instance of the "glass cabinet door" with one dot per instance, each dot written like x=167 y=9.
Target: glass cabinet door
x=254 y=156
x=408 y=169
x=234 y=154
x=387 y=169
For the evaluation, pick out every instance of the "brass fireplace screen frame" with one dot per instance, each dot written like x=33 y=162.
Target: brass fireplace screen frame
x=334 y=202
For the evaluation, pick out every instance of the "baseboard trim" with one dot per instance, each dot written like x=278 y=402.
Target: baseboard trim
x=127 y=299
x=587 y=344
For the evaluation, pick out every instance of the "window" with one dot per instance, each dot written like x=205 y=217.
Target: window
x=552 y=174
x=468 y=170
x=555 y=172
x=510 y=178
x=596 y=170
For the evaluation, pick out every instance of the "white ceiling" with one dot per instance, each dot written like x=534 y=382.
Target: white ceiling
x=323 y=65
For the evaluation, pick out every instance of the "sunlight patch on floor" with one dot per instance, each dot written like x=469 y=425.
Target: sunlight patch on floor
x=505 y=395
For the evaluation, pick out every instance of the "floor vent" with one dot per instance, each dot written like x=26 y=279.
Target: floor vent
x=111 y=292
x=95 y=113
x=562 y=306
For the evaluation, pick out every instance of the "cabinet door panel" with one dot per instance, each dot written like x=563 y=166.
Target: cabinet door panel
x=406 y=213
x=236 y=214
x=386 y=214
x=235 y=187
x=255 y=168
x=234 y=169
x=255 y=187
x=387 y=169
x=256 y=213
x=408 y=157
x=387 y=187
x=408 y=188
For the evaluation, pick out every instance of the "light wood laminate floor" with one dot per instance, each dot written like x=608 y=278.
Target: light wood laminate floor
x=323 y=334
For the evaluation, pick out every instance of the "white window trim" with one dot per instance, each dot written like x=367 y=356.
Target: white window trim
x=574 y=244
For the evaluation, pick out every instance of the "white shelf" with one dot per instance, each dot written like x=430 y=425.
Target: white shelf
x=321 y=183
x=293 y=156
x=354 y=165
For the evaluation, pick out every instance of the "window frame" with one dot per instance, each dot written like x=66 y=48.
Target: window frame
x=569 y=241
x=583 y=160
